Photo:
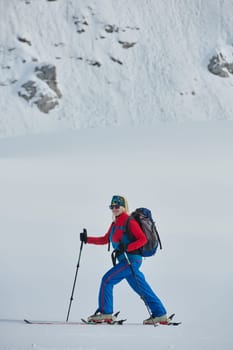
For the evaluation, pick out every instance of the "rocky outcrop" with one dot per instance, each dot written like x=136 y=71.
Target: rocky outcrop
x=48 y=74
x=42 y=90
x=218 y=65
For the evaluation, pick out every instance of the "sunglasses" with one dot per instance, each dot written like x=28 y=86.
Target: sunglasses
x=114 y=206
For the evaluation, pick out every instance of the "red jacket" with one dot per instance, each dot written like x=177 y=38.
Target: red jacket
x=119 y=225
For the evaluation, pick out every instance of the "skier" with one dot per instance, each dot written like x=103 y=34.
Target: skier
x=125 y=268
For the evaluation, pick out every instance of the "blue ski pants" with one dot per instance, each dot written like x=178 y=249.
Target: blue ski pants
x=137 y=282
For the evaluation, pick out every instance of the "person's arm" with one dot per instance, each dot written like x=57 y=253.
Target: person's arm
x=140 y=236
x=99 y=240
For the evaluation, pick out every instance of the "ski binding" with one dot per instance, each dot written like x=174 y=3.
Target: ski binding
x=113 y=321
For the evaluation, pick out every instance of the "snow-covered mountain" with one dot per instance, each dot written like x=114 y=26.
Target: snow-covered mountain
x=87 y=63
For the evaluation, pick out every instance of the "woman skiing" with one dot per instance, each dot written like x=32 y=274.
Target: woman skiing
x=129 y=260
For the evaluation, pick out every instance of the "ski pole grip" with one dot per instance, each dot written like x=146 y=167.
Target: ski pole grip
x=83 y=236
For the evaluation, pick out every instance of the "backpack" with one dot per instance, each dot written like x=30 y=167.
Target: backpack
x=144 y=218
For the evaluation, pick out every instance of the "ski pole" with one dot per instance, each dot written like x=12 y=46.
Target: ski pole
x=138 y=286
x=75 y=278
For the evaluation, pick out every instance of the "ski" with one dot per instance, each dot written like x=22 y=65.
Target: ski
x=63 y=323
x=52 y=322
x=84 y=322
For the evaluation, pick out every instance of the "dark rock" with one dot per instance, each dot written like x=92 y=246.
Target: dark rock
x=30 y=89
x=219 y=66
x=126 y=44
x=34 y=92
x=116 y=60
x=46 y=103
x=48 y=74
x=24 y=40
x=109 y=28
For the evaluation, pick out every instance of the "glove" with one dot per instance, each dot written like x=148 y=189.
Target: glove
x=83 y=236
x=122 y=247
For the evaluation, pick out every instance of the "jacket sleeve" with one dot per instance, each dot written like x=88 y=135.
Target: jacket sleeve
x=140 y=236
x=100 y=240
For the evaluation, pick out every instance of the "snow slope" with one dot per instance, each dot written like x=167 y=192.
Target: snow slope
x=163 y=76
x=54 y=185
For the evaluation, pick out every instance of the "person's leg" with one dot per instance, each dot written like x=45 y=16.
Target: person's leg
x=115 y=275
x=139 y=284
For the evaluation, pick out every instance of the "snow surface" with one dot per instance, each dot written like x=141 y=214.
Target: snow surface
x=52 y=186
x=163 y=76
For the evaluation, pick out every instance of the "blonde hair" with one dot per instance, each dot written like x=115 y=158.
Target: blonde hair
x=126 y=208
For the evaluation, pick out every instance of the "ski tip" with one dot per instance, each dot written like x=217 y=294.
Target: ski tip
x=172 y=323
x=84 y=321
x=27 y=321
x=120 y=322
x=171 y=316
x=116 y=314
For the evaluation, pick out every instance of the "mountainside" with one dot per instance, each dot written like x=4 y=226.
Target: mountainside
x=79 y=64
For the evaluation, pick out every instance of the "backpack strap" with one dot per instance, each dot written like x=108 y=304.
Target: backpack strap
x=130 y=236
x=114 y=256
x=109 y=243
x=157 y=234
x=128 y=233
